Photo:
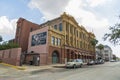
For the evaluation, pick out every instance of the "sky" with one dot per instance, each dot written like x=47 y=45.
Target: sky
x=95 y=15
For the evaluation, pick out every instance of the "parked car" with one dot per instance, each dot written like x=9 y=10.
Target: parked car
x=74 y=63
x=91 y=62
x=112 y=60
x=101 y=61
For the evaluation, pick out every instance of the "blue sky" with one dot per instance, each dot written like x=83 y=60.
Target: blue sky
x=14 y=9
x=94 y=15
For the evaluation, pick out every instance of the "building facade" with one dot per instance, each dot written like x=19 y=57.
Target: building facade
x=105 y=54
x=23 y=30
x=60 y=40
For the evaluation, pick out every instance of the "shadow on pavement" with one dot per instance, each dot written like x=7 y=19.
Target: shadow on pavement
x=58 y=66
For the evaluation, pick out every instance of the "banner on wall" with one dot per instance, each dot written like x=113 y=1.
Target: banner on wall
x=39 y=39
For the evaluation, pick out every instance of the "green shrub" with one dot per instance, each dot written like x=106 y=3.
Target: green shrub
x=5 y=46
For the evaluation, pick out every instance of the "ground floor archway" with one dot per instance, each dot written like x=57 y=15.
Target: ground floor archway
x=55 y=57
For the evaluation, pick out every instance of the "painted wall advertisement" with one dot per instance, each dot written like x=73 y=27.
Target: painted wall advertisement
x=39 y=39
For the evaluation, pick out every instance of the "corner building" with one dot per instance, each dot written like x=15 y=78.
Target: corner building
x=60 y=40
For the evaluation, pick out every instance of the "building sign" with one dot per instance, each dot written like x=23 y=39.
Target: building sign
x=39 y=39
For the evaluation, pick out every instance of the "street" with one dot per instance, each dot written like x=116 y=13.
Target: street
x=107 y=71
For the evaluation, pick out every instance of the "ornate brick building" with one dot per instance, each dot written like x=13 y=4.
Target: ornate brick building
x=60 y=40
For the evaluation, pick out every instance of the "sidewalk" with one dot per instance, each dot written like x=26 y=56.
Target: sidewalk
x=30 y=68
x=56 y=67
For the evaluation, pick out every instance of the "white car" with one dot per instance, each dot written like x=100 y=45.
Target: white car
x=74 y=63
x=112 y=60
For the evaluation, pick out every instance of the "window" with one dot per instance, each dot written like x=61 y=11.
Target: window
x=59 y=42
x=60 y=27
x=106 y=54
x=55 y=27
x=53 y=40
x=56 y=41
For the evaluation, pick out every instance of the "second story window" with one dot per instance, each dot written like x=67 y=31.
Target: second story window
x=53 y=40
x=60 y=27
x=59 y=42
x=55 y=27
x=56 y=41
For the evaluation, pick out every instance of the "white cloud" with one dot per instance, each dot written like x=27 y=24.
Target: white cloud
x=94 y=3
x=49 y=8
x=85 y=17
x=52 y=9
x=7 y=27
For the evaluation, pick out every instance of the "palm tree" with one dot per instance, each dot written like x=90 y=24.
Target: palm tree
x=100 y=47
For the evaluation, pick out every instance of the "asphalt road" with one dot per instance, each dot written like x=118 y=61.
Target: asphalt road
x=107 y=71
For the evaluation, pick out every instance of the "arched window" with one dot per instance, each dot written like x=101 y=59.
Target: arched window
x=60 y=27
x=55 y=27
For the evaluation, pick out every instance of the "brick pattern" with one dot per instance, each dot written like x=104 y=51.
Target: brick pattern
x=11 y=56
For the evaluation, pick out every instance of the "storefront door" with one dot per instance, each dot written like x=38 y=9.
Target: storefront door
x=55 y=57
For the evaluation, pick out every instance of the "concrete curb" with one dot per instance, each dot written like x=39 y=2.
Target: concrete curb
x=16 y=67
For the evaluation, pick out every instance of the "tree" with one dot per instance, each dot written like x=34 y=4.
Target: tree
x=100 y=47
x=94 y=42
x=1 y=39
x=114 y=57
x=6 y=45
x=114 y=35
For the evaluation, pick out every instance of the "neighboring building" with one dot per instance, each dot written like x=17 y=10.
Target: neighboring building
x=108 y=53
x=105 y=54
x=60 y=40
x=23 y=30
x=98 y=54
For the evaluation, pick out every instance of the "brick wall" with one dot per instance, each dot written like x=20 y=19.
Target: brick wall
x=11 y=56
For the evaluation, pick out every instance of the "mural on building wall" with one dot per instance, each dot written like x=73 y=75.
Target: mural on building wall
x=39 y=39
